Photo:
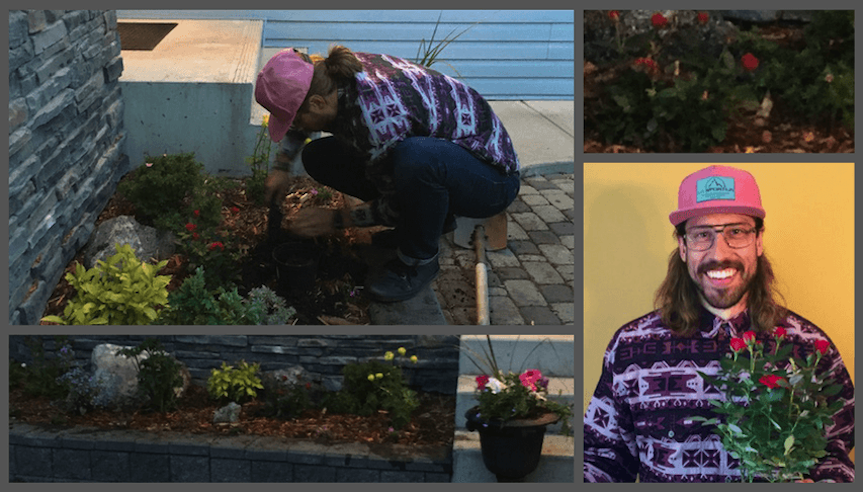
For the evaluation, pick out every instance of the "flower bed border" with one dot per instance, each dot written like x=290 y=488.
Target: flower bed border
x=86 y=454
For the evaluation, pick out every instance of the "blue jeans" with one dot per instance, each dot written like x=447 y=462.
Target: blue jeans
x=433 y=179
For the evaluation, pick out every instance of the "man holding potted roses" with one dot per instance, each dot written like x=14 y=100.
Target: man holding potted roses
x=680 y=387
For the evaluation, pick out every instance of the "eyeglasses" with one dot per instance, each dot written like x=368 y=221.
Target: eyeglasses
x=736 y=236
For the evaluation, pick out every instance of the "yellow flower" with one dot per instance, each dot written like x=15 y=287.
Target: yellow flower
x=379 y=375
x=265 y=121
x=388 y=356
x=414 y=359
x=371 y=377
x=402 y=351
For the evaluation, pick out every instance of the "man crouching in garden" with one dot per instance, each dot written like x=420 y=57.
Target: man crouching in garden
x=646 y=417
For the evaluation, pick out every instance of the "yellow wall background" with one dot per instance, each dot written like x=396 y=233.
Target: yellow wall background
x=809 y=237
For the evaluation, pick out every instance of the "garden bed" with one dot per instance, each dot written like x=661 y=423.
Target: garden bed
x=336 y=296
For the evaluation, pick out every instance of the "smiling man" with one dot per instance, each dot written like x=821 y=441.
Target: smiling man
x=719 y=285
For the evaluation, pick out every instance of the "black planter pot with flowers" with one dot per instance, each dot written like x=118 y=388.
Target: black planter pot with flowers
x=511 y=449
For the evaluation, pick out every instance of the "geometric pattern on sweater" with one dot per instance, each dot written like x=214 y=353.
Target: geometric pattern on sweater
x=639 y=421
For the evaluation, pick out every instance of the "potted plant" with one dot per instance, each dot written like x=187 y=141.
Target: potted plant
x=511 y=418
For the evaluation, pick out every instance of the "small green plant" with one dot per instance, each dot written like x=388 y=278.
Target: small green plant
x=120 y=291
x=214 y=249
x=427 y=54
x=373 y=385
x=237 y=384
x=159 y=187
x=259 y=162
x=264 y=307
x=158 y=374
x=286 y=401
x=85 y=391
x=39 y=377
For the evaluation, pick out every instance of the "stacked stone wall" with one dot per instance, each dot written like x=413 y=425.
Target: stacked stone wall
x=65 y=143
x=323 y=356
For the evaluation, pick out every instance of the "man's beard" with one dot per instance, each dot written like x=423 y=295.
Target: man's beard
x=723 y=298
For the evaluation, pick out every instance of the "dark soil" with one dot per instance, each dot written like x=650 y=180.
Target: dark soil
x=432 y=423
x=335 y=296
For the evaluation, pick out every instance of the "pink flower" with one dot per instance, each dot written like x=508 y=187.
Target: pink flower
x=529 y=378
x=737 y=344
x=659 y=21
x=822 y=346
x=771 y=380
x=481 y=381
x=149 y=164
x=703 y=17
x=750 y=63
x=828 y=78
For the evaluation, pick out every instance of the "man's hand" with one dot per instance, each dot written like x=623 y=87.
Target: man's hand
x=313 y=222
x=276 y=186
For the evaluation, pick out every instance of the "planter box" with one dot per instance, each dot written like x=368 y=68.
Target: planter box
x=80 y=454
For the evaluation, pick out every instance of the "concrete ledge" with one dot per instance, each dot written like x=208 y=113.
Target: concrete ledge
x=554 y=355
x=84 y=454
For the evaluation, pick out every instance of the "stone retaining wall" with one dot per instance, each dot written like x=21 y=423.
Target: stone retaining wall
x=321 y=355
x=90 y=455
x=65 y=143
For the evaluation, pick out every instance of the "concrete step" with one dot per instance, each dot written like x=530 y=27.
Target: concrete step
x=553 y=355
x=559 y=389
x=557 y=463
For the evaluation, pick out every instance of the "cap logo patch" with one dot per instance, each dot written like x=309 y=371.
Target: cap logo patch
x=714 y=188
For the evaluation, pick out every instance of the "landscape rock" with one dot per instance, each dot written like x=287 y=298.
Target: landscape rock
x=228 y=413
x=120 y=374
x=147 y=242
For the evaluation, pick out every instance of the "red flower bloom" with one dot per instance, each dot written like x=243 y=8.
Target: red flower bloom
x=737 y=344
x=308 y=385
x=750 y=63
x=749 y=336
x=235 y=209
x=771 y=380
x=703 y=17
x=481 y=381
x=217 y=244
x=197 y=213
x=614 y=15
x=780 y=332
x=195 y=236
x=191 y=227
x=659 y=21
x=822 y=346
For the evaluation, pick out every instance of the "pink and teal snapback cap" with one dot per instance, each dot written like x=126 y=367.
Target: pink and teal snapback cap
x=717 y=190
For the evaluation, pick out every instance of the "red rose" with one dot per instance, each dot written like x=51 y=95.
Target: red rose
x=822 y=346
x=191 y=227
x=308 y=385
x=217 y=244
x=737 y=344
x=750 y=63
x=481 y=381
x=780 y=332
x=195 y=236
x=703 y=17
x=659 y=20
x=614 y=15
x=749 y=336
x=197 y=213
x=771 y=380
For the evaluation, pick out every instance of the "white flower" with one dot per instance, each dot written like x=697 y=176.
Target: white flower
x=495 y=386
x=23 y=365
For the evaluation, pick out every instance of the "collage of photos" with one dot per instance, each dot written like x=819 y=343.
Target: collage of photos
x=373 y=246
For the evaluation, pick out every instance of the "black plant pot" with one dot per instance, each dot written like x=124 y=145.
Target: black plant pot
x=296 y=265
x=511 y=450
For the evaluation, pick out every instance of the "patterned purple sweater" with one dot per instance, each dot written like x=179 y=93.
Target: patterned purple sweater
x=393 y=99
x=637 y=423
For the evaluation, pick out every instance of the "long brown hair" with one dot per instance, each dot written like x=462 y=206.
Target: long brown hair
x=339 y=66
x=679 y=305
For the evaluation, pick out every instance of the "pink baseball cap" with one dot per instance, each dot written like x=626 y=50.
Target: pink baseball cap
x=281 y=88
x=717 y=190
